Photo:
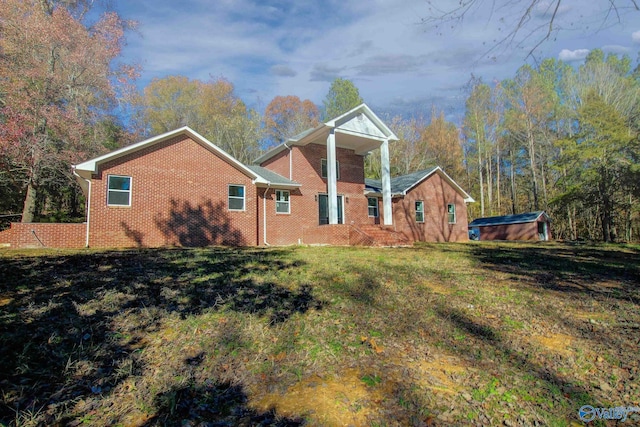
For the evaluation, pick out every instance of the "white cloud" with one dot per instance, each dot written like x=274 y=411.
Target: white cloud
x=573 y=55
x=270 y=48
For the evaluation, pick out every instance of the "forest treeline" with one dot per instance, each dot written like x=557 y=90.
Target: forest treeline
x=554 y=137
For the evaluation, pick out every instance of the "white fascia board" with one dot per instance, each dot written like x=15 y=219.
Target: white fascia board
x=311 y=136
x=265 y=184
x=467 y=197
x=543 y=213
x=92 y=165
x=443 y=174
x=361 y=135
x=363 y=108
x=269 y=154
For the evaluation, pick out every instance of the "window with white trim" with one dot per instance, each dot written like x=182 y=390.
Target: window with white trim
x=236 y=197
x=283 y=204
x=451 y=213
x=323 y=168
x=373 y=206
x=419 y=211
x=118 y=190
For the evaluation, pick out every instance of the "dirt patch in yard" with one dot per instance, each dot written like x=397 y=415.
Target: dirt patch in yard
x=436 y=335
x=442 y=375
x=344 y=399
x=556 y=343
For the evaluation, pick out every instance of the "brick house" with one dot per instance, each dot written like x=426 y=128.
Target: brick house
x=525 y=226
x=427 y=206
x=180 y=189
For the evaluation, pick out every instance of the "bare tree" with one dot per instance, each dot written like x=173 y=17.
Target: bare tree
x=521 y=22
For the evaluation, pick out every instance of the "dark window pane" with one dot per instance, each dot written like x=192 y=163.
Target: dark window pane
x=119 y=183
x=236 y=191
x=118 y=198
x=236 y=204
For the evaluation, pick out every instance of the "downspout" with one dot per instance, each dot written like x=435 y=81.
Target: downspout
x=86 y=243
x=290 y=161
x=264 y=216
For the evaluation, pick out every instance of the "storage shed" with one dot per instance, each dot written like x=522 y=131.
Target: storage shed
x=525 y=226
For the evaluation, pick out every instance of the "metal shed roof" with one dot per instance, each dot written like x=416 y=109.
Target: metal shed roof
x=508 y=219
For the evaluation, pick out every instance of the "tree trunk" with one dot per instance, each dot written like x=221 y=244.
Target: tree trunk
x=29 y=207
x=498 y=170
x=481 y=183
x=628 y=224
x=532 y=162
x=512 y=176
x=490 y=183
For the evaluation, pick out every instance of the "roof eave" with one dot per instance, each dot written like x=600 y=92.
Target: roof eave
x=265 y=184
x=364 y=108
x=92 y=165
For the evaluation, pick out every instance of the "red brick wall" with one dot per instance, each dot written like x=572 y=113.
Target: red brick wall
x=40 y=235
x=525 y=231
x=436 y=193
x=290 y=229
x=178 y=197
x=336 y=234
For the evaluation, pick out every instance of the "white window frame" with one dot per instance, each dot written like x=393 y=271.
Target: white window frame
x=324 y=171
x=287 y=202
x=230 y=197
x=369 y=207
x=420 y=210
x=110 y=190
x=449 y=213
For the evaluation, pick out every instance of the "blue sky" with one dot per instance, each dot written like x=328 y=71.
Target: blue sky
x=401 y=66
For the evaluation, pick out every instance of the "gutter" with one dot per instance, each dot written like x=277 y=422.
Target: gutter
x=264 y=216
x=86 y=243
x=290 y=161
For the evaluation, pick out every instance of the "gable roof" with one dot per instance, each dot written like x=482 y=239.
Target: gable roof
x=401 y=185
x=92 y=165
x=260 y=176
x=357 y=124
x=509 y=219
x=274 y=179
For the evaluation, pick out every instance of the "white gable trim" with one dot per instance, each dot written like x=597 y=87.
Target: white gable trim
x=92 y=165
x=443 y=174
x=363 y=109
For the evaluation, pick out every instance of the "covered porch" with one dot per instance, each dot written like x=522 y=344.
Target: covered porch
x=359 y=130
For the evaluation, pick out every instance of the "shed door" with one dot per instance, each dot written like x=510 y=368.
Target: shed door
x=542 y=231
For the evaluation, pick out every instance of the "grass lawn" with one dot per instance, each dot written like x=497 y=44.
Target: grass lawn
x=438 y=335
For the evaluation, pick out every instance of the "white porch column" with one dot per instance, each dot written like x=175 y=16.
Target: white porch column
x=332 y=181
x=386 y=183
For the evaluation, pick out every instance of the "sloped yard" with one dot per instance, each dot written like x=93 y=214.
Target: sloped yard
x=445 y=334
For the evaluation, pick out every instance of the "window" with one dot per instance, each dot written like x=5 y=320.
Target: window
x=451 y=213
x=419 y=211
x=323 y=168
x=119 y=191
x=373 y=206
x=236 y=197
x=282 y=202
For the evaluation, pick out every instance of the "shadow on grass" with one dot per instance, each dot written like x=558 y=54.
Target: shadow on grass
x=576 y=269
x=522 y=360
x=211 y=404
x=57 y=330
